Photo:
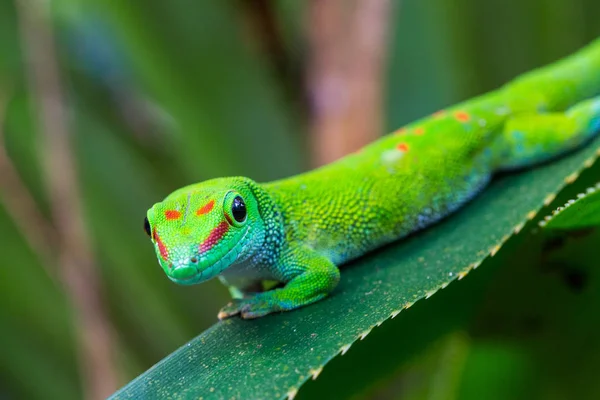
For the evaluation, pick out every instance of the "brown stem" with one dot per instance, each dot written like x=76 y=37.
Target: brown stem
x=345 y=74
x=76 y=263
x=21 y=206
x=261 y=18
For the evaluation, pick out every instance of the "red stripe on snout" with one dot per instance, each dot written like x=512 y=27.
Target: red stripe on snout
x=213 y=238
x=162 y=249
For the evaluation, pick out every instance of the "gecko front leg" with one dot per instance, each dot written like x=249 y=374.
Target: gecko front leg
x=308 y=277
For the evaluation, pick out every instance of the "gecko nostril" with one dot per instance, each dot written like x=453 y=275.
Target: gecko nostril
x=194 y=260
x=170 y=265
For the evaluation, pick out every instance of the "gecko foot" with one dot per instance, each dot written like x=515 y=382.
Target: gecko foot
x=248 y=308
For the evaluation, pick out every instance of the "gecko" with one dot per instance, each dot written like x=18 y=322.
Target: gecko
x=297 y=231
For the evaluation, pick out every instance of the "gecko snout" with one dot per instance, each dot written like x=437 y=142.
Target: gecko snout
x=185 y=268
x=184 y=272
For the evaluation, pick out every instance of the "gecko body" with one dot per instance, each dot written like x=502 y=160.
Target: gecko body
x=297 y=231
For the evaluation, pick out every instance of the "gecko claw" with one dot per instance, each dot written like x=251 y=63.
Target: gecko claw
x=232 y=308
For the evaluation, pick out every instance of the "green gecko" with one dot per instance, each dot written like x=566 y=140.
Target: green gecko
x=297 y=231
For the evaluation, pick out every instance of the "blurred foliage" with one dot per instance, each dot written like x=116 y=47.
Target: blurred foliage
x=162 y=94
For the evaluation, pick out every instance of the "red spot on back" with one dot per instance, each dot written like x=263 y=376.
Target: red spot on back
x=462 y=116
x=206 y=208
x=162 y=249
x=172 y=214
x=419 y=130
x=213 y=238
x=402 y=147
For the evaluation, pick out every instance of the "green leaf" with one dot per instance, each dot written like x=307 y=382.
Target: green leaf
x=534 y=297
x=542 y=307
x=274 y=356
x=577 y=213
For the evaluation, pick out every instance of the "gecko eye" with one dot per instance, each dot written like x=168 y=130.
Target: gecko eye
x=238 y=209
x=147 y=227
x=234 y=209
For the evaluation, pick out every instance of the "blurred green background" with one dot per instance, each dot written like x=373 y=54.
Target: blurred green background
x=161 y=94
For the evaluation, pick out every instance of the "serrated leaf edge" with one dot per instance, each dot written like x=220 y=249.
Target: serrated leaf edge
x=559 y=210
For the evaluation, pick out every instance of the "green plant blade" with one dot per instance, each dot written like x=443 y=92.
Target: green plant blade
x=548 y=317
x=578 y=213
x=272 y=357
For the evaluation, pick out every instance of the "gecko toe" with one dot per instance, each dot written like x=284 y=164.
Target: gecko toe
x=231 y=309
x=255 y=313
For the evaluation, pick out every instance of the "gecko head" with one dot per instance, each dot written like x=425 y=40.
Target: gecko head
x=201 y=229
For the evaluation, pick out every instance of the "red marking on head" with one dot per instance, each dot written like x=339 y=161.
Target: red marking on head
x=205 y=209
x=213 y=238
x=438 y=114
x=419 y=130
x=172 y=214
x=228 y=218
x=462 y=116
x=402 y=147
x=162 y=249
x=400 y=131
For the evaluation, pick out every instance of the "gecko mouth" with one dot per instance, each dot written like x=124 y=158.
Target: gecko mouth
x=190 y=274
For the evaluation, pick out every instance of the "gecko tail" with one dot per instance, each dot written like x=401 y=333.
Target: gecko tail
x=564 y=83
x=530 y=139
